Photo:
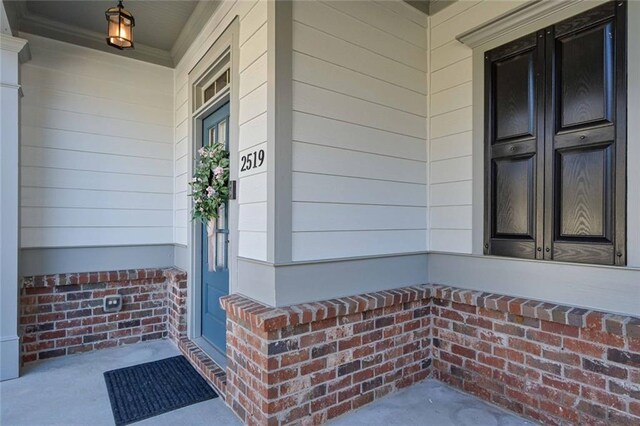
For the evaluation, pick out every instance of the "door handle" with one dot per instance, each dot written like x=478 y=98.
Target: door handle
x=233 y=190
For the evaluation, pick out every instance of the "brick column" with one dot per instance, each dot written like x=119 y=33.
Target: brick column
x=176 y=304
x=312 y=362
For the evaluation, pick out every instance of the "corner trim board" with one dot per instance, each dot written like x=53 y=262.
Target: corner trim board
x=279 y=130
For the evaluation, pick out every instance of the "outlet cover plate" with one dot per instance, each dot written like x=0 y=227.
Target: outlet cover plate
x=113 y=303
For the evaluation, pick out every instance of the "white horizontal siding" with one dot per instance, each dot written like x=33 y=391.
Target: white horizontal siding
x=96 y=151
x=86 y=218
x=341 y=134
x=331 y=245
x=359 y=129
x=450 y=122
x=252 y=88
x=44 y=177
x=320 y=217
x=84 y=198
x=340 y=189
x=92 y=237
x=329 y=48
x=69 y=140
x=319 y=159
x=452 y=146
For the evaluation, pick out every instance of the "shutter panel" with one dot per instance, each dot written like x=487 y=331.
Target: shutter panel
x=514 y=132
x=586 y=138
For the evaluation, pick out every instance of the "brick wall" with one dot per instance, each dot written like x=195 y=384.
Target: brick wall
x=555 y=364
x=309 y=363
x=312 y=362
x=63 y=314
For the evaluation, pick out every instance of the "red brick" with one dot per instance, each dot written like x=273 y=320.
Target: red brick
x=477 y=321
x=562 y=329
x=312 y=339
x=291 y=358
x=522 y=371
x=540 y=364
x=565 y=357
x=561 y=384
x=543 y=337
x=462 y=351
x=470 y=309
x=525 y=346
x=313 y=366
x=362 y=400
x=603 y=397
x=491 y=360
x=602 y=337
x=559 y=411
x=489 y=313
x=585 y=377
x=492 y=337
x=583 y=347
x=604 y=368
x=324 y=402
x=523 y=397
x=339 y=384
x=511 y=329
x=349 y=343
x=509 y=354
x=337 y=410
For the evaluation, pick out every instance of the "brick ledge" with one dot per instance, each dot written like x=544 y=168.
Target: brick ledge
x=621 y=325
x=265 y=318
x=54 y=280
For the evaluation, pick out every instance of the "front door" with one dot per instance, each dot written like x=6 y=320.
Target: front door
x=215 y=281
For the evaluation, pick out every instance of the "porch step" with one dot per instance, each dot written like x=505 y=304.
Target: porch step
x=206 y=366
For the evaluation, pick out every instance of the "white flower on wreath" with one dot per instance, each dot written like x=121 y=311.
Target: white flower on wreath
x=218 y=172
x=210 y=191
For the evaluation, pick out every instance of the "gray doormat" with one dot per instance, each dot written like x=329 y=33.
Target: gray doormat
x=146 y=390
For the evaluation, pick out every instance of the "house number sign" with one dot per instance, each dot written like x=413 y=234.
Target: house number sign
x=252 y=160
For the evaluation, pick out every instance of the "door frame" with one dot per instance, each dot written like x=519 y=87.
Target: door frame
x=225 y=44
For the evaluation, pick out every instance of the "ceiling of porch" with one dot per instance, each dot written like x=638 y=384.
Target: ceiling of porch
x=163 y=32
x=164 y=29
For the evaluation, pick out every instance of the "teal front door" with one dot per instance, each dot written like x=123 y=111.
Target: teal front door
x=215 y=281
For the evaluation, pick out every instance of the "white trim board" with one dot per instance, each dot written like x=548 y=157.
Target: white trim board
x=60 y=260
x=604 y=288
x=526 y=14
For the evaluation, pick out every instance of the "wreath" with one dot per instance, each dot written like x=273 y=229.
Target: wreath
x=210 y=183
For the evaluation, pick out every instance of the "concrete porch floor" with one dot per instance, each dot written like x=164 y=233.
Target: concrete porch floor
x=71 y=391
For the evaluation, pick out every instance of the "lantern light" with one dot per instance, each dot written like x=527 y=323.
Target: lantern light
x=120 y=25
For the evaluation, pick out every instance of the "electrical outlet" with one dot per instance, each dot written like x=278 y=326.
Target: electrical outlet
x=113 y=303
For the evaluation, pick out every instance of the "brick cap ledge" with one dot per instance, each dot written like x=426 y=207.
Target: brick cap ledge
x=265 y=318
x=622 y=325
x=55 y=280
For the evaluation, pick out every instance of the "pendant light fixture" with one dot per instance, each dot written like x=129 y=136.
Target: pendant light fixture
x=120 y=25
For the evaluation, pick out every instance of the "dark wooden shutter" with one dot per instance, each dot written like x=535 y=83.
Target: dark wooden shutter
x=585 y=157
x=514 y=133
